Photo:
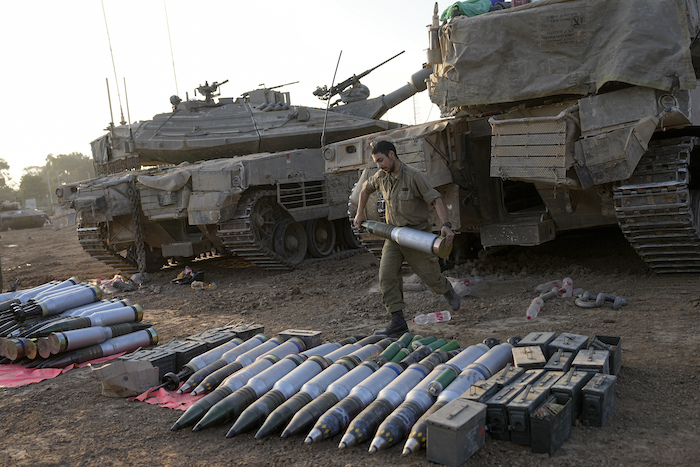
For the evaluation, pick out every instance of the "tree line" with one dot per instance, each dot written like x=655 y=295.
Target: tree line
x=40 y=182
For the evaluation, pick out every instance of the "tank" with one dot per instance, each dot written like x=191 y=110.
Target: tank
x=554 y=119
x=14 y=217
x=243 y=176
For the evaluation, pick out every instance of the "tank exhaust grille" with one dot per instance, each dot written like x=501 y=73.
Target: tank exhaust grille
x=303 y=194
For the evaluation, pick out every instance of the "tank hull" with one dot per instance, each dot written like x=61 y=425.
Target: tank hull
x=498 y=193
x=242 y=177
x=22 y=219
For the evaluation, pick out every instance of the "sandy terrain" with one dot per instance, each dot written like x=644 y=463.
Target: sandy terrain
x=66 y=420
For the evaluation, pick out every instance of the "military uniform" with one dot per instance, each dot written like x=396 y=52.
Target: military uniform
x=407 y=196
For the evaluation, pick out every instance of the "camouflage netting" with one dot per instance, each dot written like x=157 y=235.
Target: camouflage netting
x=559 y=47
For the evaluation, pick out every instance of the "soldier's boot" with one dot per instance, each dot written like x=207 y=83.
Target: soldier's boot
x=453 y=299
x=397 y=327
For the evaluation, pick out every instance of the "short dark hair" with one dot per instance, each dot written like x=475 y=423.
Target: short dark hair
x=384 y=147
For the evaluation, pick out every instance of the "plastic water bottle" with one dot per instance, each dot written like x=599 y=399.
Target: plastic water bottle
x=567 y=288
x=436 y=317
x=534 y=308
x=547 y=286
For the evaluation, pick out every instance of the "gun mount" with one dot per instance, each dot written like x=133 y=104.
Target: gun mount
x=209 y=91
x=357 y=91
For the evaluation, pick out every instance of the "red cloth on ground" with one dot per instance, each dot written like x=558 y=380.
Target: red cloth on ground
x=13 y=375
x=167 y=399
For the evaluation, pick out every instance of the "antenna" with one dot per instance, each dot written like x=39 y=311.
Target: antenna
x=170 y=41
x=126 y=98
x=325 y=116
x=111 y=116
x=116 y=81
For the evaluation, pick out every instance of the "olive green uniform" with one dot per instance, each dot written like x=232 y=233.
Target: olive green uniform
x=407 y=198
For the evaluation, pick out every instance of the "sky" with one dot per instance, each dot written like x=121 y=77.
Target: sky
x=56 y=58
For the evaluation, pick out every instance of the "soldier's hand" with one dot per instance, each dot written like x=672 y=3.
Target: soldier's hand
x=448 y=234
x=360 y=217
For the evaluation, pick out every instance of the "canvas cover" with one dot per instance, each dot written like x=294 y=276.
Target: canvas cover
x=560 y=47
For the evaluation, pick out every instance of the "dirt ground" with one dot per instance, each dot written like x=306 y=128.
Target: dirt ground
x=67 y=421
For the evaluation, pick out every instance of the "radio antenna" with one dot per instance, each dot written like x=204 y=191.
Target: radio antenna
x=170 y=41
x=325 y=116
x=114 y=68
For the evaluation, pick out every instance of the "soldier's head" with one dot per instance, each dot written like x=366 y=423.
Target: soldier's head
x=384 y=155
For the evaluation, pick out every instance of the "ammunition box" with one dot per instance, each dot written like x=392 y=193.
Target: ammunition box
x=570 y=386
x=212 y=337
x=246 y=331
x=560 y=361
x=311 y=338
x=596 y=361
x=455 y=432
x=184 y=351
x=506 y=376
x=612 y=344
x=529 y=377
x=540 y=339
x=549 y=424
x=481 y=391
x=519 y=410
x=497 y=413
x=598 y=400
x=547 y=380
x=529 y=357
x=159 y=357
x=567 y=341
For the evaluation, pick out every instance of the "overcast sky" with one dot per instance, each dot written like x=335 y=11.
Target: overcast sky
x=55 y=58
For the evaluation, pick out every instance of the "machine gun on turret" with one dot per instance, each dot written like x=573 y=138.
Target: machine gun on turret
x=325 y=94
x=264 y=88
x=208 y=90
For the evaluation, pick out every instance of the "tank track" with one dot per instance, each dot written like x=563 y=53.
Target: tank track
x=372 y=243
x=93 y=240
x=239 y=238
x=658 y=212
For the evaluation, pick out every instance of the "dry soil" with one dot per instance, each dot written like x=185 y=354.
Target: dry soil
x=67 y=421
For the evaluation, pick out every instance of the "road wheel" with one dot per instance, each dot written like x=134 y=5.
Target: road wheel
x=320 y=234
x=290 y=241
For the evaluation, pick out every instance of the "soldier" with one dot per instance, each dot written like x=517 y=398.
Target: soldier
x=407 y=194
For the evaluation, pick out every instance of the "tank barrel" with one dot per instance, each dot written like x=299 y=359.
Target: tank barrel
x=414 y=86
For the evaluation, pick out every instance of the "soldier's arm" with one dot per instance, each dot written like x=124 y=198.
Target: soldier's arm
x=360 y=216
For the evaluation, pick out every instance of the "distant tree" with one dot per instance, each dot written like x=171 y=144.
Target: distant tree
x=6 y=193
x=33 y=185
x=68 y=168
